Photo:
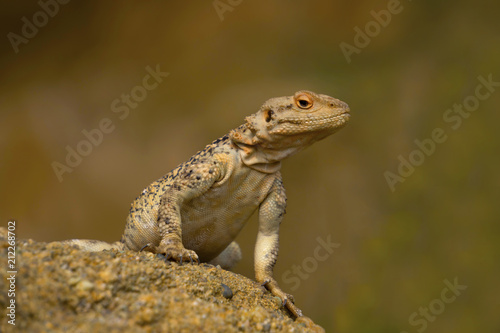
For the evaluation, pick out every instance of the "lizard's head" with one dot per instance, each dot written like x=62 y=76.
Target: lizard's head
x=285 y=125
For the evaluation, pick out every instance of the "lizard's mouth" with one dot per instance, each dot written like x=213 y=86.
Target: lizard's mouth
x=310 y=123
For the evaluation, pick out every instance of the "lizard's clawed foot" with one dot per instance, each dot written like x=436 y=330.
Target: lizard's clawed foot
x=182 y=254
x=289 y=303
x=286 y=299
x=173 y=252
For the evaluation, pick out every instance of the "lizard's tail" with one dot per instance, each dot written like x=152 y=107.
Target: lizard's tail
x=93 y=245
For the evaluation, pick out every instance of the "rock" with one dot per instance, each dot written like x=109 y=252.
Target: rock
x=226 y=291
x=60 y=289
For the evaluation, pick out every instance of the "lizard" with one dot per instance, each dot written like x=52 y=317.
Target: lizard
x=195 y=211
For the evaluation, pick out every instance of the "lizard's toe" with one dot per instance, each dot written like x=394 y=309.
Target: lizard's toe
x=180 y=255
x=149 y=247
x=289 y=298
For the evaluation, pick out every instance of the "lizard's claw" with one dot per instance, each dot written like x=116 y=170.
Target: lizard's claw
x=147 y=246
x=288 y=302
x=265 y=282
x=288 y=298
x=191 y=256
x=294 y=309
x=172 y=252
x=177 y=254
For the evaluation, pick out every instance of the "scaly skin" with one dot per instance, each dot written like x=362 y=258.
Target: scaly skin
x=195 y=211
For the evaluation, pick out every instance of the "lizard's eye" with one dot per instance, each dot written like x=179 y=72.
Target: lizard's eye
x=303 y=101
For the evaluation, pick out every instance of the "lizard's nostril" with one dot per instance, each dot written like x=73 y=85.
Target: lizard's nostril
x=339 y=104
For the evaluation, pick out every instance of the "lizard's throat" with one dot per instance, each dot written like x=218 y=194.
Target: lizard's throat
x=254 y=157
x=265 y=167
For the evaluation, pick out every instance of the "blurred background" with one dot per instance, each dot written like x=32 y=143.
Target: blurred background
x=398 y=243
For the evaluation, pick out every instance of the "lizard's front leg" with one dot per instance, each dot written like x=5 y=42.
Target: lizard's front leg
x=191 y=181
x=169 y=226
x=271 y=213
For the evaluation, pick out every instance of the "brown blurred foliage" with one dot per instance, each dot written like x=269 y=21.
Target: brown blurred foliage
x=396 y=248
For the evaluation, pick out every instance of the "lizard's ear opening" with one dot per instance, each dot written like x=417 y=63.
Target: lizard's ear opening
x=268 y=115
x=303 y=101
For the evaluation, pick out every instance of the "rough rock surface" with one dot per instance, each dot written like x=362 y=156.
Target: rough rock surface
x=62 y=289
